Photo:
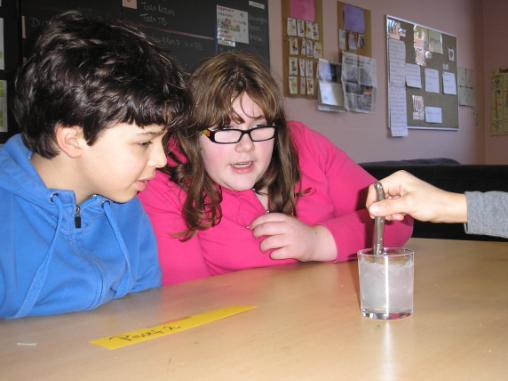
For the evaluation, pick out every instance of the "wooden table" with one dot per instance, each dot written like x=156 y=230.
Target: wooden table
x=306 y=326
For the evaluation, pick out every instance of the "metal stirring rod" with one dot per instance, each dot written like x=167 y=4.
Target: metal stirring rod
x=379 y=223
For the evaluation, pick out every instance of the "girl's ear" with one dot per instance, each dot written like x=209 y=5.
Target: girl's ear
x=70 y=140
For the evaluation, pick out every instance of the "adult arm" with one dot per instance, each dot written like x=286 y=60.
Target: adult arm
x=487 y=213
x=408 y=195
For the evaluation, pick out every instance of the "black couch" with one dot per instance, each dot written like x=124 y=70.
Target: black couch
x=450 y=175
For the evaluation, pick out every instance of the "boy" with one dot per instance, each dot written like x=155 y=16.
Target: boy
x=93 y=102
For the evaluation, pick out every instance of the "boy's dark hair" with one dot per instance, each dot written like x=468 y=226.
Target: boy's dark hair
x=91 y=73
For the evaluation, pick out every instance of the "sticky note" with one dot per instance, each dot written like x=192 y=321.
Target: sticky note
x=145 y=334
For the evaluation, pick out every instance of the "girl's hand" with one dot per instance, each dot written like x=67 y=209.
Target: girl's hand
x=290 y=238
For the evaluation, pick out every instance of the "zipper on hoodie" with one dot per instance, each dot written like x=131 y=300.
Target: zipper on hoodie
x=77 y=217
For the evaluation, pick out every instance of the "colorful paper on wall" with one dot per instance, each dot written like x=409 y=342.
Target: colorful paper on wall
x=354 y=20
x=302 y=9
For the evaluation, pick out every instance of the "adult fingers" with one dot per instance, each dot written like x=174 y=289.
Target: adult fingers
x=394 y=208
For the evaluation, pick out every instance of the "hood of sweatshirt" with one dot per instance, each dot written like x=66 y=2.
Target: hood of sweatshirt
x=19 y=176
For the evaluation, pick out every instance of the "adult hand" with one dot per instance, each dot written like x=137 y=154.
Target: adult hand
x=407 y=194
x=291 y=238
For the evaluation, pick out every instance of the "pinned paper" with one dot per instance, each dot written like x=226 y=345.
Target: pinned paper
x=397 y=62
x=432 y=80
x=291 y=30
x=331 y=94
x=433 y=114
x=449 y=83
x=398 y=110
x=421 y=39
x=342 y=39
x=435 y=41
x=145 y=334
x=232 y=25
x=413 y=76
x=418 y=107
x=394 y=29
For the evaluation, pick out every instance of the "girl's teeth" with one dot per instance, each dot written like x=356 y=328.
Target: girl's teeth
x=244 y=164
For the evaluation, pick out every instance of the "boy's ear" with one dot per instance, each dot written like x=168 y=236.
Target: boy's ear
x=70 y=140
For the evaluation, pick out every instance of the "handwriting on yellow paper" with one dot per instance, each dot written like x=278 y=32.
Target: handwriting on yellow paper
x=145 y=334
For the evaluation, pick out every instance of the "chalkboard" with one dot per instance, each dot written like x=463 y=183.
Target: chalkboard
x=186 y=29
x=9 y=61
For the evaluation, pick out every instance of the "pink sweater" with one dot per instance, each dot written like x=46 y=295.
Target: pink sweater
x=336 y=200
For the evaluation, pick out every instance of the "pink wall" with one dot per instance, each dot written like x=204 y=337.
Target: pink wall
x=495 y=55
x=365 y=136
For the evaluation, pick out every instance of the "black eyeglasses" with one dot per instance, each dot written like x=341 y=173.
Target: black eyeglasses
x=259 y=133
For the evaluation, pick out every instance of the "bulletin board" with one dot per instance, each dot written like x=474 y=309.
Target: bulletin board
x=302 y=46
x=431 y=55
x=354 y=29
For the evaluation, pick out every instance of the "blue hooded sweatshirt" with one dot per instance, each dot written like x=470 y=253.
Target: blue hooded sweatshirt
x=56 y=256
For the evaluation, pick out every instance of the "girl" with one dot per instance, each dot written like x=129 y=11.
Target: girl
x=248 y=189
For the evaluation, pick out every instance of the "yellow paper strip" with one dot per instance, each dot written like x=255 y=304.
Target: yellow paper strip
x=145 y=334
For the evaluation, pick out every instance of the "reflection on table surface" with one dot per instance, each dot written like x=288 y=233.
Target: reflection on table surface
x=306 y=326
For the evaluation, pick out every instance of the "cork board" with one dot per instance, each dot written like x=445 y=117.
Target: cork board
x=354 y=37
x=302 y=44
x=433 y=57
